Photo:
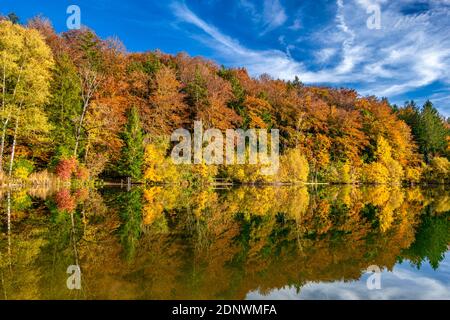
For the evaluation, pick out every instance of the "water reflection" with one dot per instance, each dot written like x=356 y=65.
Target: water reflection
x=247 y=242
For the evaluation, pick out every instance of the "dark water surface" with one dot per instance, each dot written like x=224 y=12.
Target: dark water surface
x=239 y=243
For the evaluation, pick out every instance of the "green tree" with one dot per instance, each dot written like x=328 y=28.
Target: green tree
x=432 y=238
x=432 y=133
x=131 y=215
x=410 y=113
x=197 y=94
x=65 y=102
x=237 y=103
x=13 y=18
x=132 y=153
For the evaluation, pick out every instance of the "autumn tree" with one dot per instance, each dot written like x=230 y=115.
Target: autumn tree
x=167 y=108
x=26 y=64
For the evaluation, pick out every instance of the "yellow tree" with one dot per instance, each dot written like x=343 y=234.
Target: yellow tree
x=26 y=71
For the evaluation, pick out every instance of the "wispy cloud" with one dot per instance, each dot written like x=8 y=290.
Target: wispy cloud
x=273 y=62
x=274 y=15
x=250 y=8
x=410 y=51
x=296 y=25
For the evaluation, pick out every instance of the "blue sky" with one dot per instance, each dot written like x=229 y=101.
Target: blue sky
x=324 y=42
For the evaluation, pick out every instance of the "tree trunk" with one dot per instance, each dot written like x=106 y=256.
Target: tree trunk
x=4 y=82
x=77 y=138
x=13 y=151
x=9 y=229
x=86 y=152
x=2 y=146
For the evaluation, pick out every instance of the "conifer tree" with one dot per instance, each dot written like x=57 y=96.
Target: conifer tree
x=132 y=153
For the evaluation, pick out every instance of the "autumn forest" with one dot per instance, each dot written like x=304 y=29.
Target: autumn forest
x=88 y=181
x=76 y=108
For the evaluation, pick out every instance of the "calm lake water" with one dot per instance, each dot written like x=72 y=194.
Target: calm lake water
x=239 y=243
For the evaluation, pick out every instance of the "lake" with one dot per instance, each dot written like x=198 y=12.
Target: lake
x=285 y=242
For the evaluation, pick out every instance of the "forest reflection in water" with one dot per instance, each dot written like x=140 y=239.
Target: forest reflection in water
x=179 y=243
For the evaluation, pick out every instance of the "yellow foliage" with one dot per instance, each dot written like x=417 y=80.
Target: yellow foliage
x=21 y=173
x=395 y=171
x=443 y=204
x=438 y=170
x=158 y=168
x=375 y=172
x=413 y=174
x=293 y=167
x=386 y=169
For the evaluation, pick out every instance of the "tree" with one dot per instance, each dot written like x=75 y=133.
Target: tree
x=293 y=167
x=26 y=63
x=438 y=171
x=385 y=169
x=65 y=102
x=13 y=18
x=132 y=153
x=167 y=107
x=432 y=133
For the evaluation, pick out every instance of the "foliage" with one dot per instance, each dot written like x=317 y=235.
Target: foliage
x=23 y=168
x=66 y=167
x=132 y=154
x=75 y=94
x=293 y=167
x=181 y=243
x=438 y=170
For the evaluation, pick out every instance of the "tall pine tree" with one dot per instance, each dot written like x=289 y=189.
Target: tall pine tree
x=132 y=154
x=432 y=133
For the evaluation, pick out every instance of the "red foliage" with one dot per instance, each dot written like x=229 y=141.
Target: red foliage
x=66 y=167
x=65 y=201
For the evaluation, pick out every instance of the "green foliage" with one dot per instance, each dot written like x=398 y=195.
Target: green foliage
x=23 y=168
x=132 y=153
x=197 y=93
x=431 y=241
x=90 y=46
x=131 y=216
x=432 y=132
x=237 y=103
x=65 y=102
x=150 y=65
x=13 y=18
x=428 y=128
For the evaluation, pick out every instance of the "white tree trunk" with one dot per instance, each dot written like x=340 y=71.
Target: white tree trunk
x=13 y=151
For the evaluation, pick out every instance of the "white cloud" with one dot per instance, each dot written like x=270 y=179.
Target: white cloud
x=273 y=62
x=408 y=52
x=324 y=55
x=273 y=15
x=404 y=282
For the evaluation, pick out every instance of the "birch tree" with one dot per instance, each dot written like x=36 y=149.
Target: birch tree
x=26 y=71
